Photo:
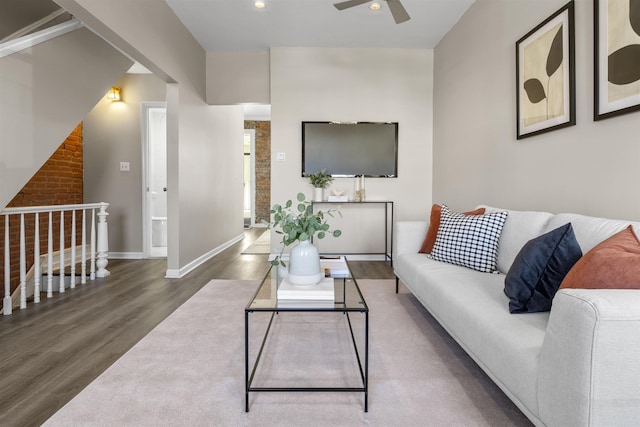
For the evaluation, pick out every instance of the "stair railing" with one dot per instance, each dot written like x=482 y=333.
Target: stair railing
x=98 y=248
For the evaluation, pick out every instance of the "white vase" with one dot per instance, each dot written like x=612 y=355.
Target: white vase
x=304 y=265
x=318 y=194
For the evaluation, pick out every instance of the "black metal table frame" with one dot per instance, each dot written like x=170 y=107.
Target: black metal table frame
x=364 y=368
x=388 y=240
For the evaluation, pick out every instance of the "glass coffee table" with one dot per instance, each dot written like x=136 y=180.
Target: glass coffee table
x=348 y=300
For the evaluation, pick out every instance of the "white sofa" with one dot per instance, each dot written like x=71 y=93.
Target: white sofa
x=578 y=365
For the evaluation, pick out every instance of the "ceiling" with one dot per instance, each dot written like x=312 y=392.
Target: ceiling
x=236 y=25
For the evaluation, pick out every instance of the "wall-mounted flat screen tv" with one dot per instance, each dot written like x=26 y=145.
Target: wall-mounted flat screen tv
x=350 y=148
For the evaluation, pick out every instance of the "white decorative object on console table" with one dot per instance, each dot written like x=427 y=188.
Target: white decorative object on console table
x=338 y=199
x=320 y=180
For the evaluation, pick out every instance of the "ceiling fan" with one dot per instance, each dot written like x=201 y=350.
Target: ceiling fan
x=398 y=11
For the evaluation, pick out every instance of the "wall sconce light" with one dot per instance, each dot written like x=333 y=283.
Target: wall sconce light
x=114 y=94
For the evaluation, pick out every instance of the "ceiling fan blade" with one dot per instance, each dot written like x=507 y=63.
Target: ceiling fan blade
x=349 y=3
x=398 y=11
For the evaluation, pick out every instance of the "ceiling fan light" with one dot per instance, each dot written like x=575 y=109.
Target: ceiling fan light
x=260 y=4
x=374 y=6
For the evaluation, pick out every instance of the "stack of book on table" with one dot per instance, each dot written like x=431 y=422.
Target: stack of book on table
x=334 y=266
x=323 y=291
x=321 y=295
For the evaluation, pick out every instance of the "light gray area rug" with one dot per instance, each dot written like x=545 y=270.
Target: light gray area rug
x=189 y=371
x=262 y=245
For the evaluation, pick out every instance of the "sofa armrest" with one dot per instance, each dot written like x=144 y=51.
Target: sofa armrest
x=408 y=236
x=590 y=359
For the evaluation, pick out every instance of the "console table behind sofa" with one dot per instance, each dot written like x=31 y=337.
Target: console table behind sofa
x=388 y=226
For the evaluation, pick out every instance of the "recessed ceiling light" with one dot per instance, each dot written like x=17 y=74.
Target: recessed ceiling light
x=374 y=6
x=259 y=4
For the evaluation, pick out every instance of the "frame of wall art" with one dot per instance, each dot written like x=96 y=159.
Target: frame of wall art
x=545 y=75
x=616 y=57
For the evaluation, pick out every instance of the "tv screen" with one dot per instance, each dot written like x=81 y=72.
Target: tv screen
x=350 y=149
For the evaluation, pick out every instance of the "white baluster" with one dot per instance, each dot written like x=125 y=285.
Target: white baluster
x=83 y=268
x=36 y=260
x=50 y=257
x=23 y=266
x=103 y=242
x=61 y=252
x=6 y=303
x=93 y=245
x=73 y=249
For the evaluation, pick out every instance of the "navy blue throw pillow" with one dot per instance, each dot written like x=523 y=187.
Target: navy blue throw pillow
x=538 y=270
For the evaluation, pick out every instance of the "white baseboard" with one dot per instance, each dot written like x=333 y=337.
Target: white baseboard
x=126 y=255
x=177 y=274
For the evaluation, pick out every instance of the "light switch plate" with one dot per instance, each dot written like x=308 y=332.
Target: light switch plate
x=281 y=157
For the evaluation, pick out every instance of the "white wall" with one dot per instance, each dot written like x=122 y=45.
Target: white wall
x=112 y=134
x=591 y=168
x=355 y=85
x=211 y=181
x=237 y=77
x=151 y=34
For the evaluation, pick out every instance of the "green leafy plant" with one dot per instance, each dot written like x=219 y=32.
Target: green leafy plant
x=320 y=179
x=300 y=224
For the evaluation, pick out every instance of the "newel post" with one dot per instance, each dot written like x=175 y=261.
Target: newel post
x=103 y=242
x=7 y=303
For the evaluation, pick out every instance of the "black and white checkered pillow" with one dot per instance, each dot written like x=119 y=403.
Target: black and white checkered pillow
x=469 y=240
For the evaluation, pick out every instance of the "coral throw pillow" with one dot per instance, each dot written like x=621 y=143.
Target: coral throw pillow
x=434 y=225
x=613 y=263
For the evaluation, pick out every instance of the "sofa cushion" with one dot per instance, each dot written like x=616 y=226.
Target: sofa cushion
x=472 y=307
x=590 y=230
x=434 y=224
x=614 y=263
x=519 y=228
x=539 y=268
x=469 y=240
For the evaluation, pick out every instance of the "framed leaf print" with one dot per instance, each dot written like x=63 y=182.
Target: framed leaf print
x=617 y=57
x=545 y=75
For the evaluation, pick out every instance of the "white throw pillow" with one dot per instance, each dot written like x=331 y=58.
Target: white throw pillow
x=469 y=240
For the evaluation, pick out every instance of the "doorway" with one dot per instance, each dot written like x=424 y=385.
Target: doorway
x=249 y=186
x=154 y=146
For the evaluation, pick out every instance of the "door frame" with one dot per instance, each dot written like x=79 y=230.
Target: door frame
x=146 y=194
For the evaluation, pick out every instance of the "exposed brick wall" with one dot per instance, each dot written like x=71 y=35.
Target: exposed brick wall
x=58 y=182
x=263 y=167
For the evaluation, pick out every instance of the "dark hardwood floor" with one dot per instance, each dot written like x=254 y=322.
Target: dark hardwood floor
x=52 y=350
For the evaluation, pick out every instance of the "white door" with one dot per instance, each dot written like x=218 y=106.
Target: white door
x=249 y=195
x=155 y=182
